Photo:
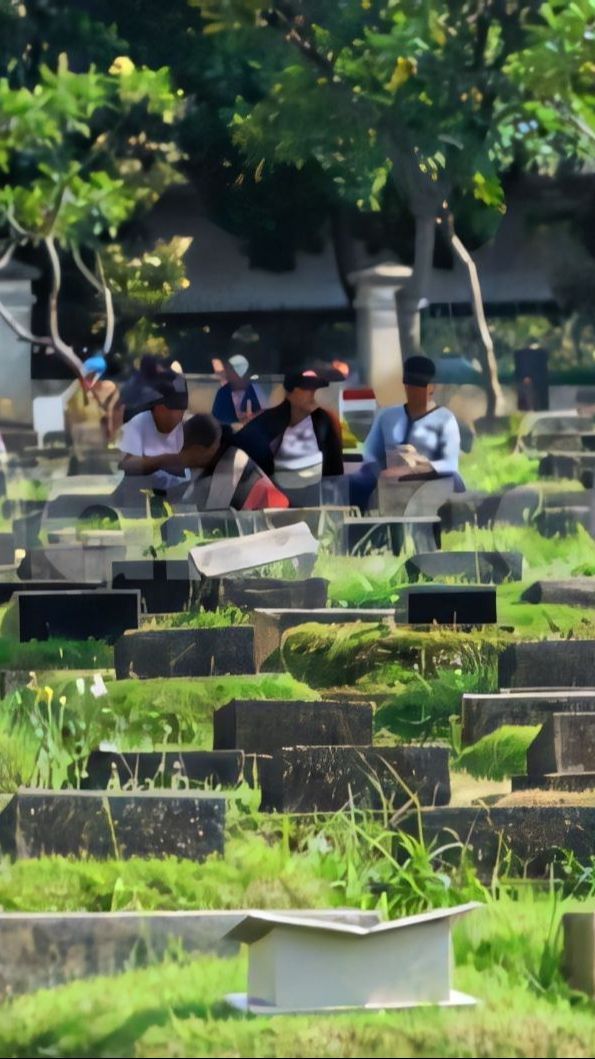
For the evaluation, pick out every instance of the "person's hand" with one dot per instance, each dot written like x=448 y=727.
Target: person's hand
x=396 y=472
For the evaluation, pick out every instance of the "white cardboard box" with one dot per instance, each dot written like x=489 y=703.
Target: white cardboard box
x=300 y=964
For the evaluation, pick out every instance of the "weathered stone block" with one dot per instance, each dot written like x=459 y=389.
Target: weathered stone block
x=447 y=605
x=39 y=823
x=328 y=779
x=270 y=625
x=164 y=584
x=185 y=652
x=566 y=743
x=548 y=664
x=579 y=592
x=263 y=726
x=136 y=768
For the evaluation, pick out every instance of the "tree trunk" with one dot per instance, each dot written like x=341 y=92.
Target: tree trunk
x=409 y=297
x=494 y=395
x=344 y=249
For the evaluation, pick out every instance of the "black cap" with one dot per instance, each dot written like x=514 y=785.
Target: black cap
x=418 y=371
x=303 y=380
x=171 y=389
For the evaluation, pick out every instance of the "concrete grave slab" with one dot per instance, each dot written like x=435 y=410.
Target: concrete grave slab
x=100 y=614
x=578 y=592
x=222 y=558
x=171 y=768
x=461 y=605
x=566 y=743
x=548 y=664
x=483 y=714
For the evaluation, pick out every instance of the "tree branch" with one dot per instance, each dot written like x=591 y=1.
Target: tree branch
x=65 y=351
x=99 y=283
x=494 y=391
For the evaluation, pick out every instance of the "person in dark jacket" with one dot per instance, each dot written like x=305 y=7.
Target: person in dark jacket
x=296 y=443
x=238 y=400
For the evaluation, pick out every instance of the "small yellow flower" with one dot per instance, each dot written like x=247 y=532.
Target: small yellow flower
x=122 y=66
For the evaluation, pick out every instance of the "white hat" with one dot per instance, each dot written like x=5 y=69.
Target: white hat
x=239 y=364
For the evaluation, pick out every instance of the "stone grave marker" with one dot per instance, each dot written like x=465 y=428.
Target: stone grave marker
x=254 y=593
x=326 y=779
x=7 y=548
x=548 y=664
x=477 y=567
x=107 y=824
x=266 y=725
x=164 y=584
x=483 y=714
x=99 y=614
x=562 y=755
x=461 y=605
x=8 y=588
x=75 y=561
x=185 y=652
x=579 y=951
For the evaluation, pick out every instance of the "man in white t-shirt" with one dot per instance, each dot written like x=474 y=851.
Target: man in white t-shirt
x=152 y=440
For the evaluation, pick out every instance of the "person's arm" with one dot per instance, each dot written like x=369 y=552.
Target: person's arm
x=333 y=449
x=448 y=462
x=255 y=440
x=167 y=461
x=374 y=445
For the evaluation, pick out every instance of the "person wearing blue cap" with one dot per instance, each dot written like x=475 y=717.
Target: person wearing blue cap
x=413 y=441
x=96 y=400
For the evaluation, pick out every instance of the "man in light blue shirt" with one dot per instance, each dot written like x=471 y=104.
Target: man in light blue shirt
x=413 y=441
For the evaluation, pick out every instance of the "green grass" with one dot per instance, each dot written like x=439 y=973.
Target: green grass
x=46 y=728
x=500 y=754
x=55 y=654
x=508 y=955
x=492 y=465
x=222 y=618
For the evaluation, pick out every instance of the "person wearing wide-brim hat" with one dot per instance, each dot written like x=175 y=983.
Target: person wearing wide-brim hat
x=416 y=440
x=297 y=442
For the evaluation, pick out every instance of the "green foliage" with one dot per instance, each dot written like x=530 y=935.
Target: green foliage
x=424 y=709
x=67 y=718
x=222 y=618
x=492 y=465
x=55 y=654
x=500 y=754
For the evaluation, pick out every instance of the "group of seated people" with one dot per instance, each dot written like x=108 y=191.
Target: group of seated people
x=277 y=453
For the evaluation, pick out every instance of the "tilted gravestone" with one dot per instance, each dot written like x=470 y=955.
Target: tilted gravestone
x=483 y=714
x=185 y=652
x=97 y=615
x=328 y=779
x=476 y=567
x=222 y=558
x=265 y=725
x=548 y=664
x=108 y=824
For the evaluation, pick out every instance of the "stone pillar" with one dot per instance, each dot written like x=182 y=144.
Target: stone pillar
x=15 y=354
x=378 y=342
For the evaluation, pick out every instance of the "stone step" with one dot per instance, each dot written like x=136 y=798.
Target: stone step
x=477 y=567
x=555 y=781
x=483 y=714
x=548 y=664
x=535 y=836
x=42 y=950
x=271 y=624
x=566 y=743
x=107 y=824
x=214 y=768
x=185 y=652
x=328 y=779
x=77 y=615
x=264 y=726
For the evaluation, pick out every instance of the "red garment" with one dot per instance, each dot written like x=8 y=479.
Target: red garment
x=264 y=494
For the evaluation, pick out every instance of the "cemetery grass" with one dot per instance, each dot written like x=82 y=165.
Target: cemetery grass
x=507 y=955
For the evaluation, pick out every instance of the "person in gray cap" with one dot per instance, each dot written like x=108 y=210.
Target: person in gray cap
x=238 y=399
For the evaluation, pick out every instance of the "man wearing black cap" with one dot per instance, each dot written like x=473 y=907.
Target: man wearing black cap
x=416 y=440
x=297 y=442
x=152 y=440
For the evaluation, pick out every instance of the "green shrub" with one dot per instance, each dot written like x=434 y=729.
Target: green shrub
x=424 y=708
